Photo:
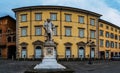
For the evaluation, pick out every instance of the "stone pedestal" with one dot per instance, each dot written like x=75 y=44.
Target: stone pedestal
x=49 y=61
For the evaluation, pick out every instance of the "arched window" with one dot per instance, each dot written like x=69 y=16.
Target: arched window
x=9 y=39
x=81 y=52
x=92 y=52
x=38 y=52
x=24 y=52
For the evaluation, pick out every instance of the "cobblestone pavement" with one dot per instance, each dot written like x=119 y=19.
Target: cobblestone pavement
x=9 y=66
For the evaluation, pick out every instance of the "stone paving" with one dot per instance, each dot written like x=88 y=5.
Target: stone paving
x=9 y=66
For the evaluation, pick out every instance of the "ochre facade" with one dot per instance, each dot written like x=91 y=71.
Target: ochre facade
x=74 y=42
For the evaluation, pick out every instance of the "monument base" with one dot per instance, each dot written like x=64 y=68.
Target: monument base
x=49 y=71
x=49 y=63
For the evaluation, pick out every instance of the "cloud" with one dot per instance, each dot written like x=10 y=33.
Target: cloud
x=110 y=14
x=98 y=6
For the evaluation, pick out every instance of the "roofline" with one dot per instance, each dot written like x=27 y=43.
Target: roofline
x=7 y=16
x=109 y=23
x=56 y=7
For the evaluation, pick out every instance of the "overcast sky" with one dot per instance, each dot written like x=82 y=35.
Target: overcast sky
x=110 y=9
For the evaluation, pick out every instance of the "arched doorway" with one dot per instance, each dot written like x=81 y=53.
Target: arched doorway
x=11 y=52
x=81 y=52
x=92 y=52
x=38 y=52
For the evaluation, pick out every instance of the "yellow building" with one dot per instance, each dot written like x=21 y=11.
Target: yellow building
x=109 y=39
x=76 y=32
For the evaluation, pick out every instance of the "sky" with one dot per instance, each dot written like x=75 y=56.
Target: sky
x=110 y=9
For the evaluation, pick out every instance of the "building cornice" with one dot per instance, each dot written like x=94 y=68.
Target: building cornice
x=57 y=8
x=109 y=23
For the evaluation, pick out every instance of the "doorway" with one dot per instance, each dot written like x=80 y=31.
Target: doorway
x=11 y=52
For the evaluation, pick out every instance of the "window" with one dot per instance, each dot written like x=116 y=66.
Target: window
x=92 y=34
x=55 y=31
x=68 y=31
x=38 y=30
x=112 y=44
x=92 y=22
x=24 y=17
x=115 y=30
x=107 y=43
x=38 y=52
x=112 y=35
x=9 y=39
x=107 y=34
x=107 y=27
x=23 y=31
x=115 y=44
x=116 y=37
x=81 y=19
x=111 y=28
x=68 y=52
x=38 y=16
x=101 y=42
x=101 y=25
x=101 y=32
x=24 y=52
x=53 y=16
x=68 y=17
x=81 y=52
x=81 y=32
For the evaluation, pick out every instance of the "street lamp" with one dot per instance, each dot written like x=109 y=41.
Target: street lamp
x=90 y=42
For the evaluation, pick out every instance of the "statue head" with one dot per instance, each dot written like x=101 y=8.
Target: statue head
x=48 y=20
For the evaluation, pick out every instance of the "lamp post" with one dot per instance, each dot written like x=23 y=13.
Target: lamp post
x=90 y=62
x=90 y=42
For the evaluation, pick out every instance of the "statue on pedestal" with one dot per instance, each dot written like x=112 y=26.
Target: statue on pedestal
x=49 y=29
x=49 y=61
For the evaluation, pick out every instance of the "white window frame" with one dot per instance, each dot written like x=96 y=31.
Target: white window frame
x=38 y=30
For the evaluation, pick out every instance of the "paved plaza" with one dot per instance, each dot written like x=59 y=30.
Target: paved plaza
x=9 y=66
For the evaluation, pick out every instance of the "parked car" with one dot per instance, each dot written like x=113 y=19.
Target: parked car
x=115 y=58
